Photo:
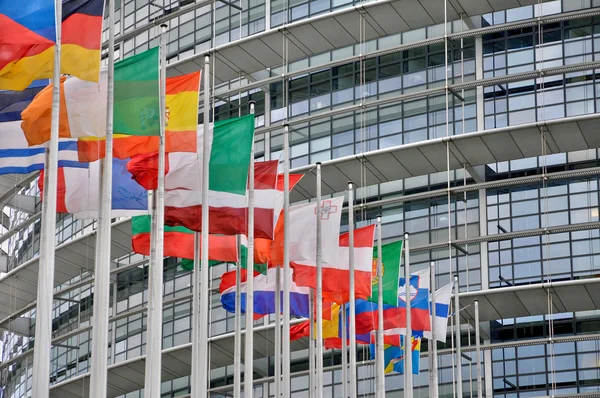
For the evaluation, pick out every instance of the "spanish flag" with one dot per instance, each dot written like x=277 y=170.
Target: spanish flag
x=83 y=116
x=28 y=35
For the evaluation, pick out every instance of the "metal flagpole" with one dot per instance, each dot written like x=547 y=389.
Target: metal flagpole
x=459 y=383
x=352 y=300
x=249 y=347
x=319 y=292
x=200 y=384
x=98 y=373
x=478 y=351
x=155 y=274
x=311 y=344
x=237 y=339
x=408 y=379
x=277 y=353
x=344 y=351
x=45 y=288
x=380 y=366
x=433 y=371
x=286 y=262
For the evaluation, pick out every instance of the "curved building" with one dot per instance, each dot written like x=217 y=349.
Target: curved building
x=480 y=137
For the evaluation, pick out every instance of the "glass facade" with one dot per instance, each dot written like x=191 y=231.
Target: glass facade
x=518 y=361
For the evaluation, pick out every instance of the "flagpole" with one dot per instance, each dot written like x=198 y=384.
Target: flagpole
x=379 y=358
x=155 y=273
x=237 y=339
x=286 y=262
x=319 y=291
x=352 y=298
x=249 y=346
x=478 y=351
x=277 y=353
x=200 y=369
x=311 y=344
x=459 y=384
x=98 y=371
x=408 y=384
x=45 y=288
x=344 y=351
x=433 y=371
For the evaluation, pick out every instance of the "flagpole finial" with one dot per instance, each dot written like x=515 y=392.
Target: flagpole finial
x=318 y=163
x=164 y=25
x=406 y=235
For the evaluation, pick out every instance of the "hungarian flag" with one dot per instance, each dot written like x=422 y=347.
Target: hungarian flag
x=391 y=257
x=179 y=242
x=28 y=36
x=79 y=191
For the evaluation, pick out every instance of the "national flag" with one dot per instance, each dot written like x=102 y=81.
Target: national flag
x=442 y=310
x=390 y=259
x=303 y=239
x=336 y=275
x=83 y=116
x=28 y=35
x=395 y=316
x=264 y=294
x=394 y=356
x=331 y=324
x=179 y=242
x=16 y=156
x=79 y=190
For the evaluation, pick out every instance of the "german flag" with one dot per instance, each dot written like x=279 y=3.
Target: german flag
x=28 y=35
x=181 y=125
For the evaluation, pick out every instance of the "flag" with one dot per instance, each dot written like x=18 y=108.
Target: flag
x=391 y=258
x=28 y=35
x=179 y=242
x=331 y=324
x=83 y=116
x=395 y=316
x=303 y=239
x=442 y=310
x=336 y=274
x=264 y=294
x=180 y=128
x=394 y=356
x=79 y=190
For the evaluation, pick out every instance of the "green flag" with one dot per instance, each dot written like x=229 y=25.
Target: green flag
x=391 y=259
x=136 y=97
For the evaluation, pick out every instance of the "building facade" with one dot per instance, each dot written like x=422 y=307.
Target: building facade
x=478 y=137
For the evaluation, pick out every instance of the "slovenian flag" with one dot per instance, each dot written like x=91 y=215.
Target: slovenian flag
x=28 y=35
x=264 y=294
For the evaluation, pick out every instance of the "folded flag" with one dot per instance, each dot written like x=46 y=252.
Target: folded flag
x=395 y=316
x=391 y=258
x=303 y=238
x=79 y=190
x=331 y=324
x=28 y=35
x=442 y=310
x=394 y=356
x=179 y=242
x=264 y=294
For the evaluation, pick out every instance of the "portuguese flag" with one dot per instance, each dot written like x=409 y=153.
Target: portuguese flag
x=391 y=259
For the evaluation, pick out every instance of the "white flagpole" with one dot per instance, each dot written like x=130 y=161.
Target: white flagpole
x=459 y=383
x=311 y=344
x=98 y=372
x=433 y=371
x=286 y=262
x=249 y=347
x=319 y=291
x=408 y=384
x=352 y=299
x=155 y=274
x=344 y=351
x=379 y=358
x=45 y=288
x=201 y=369
x=237 y=339
x=478 y=351
x=277 y=354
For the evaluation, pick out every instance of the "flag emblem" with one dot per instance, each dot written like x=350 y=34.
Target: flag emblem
x=327 y=209
x=413 y=289
x=374 y=278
